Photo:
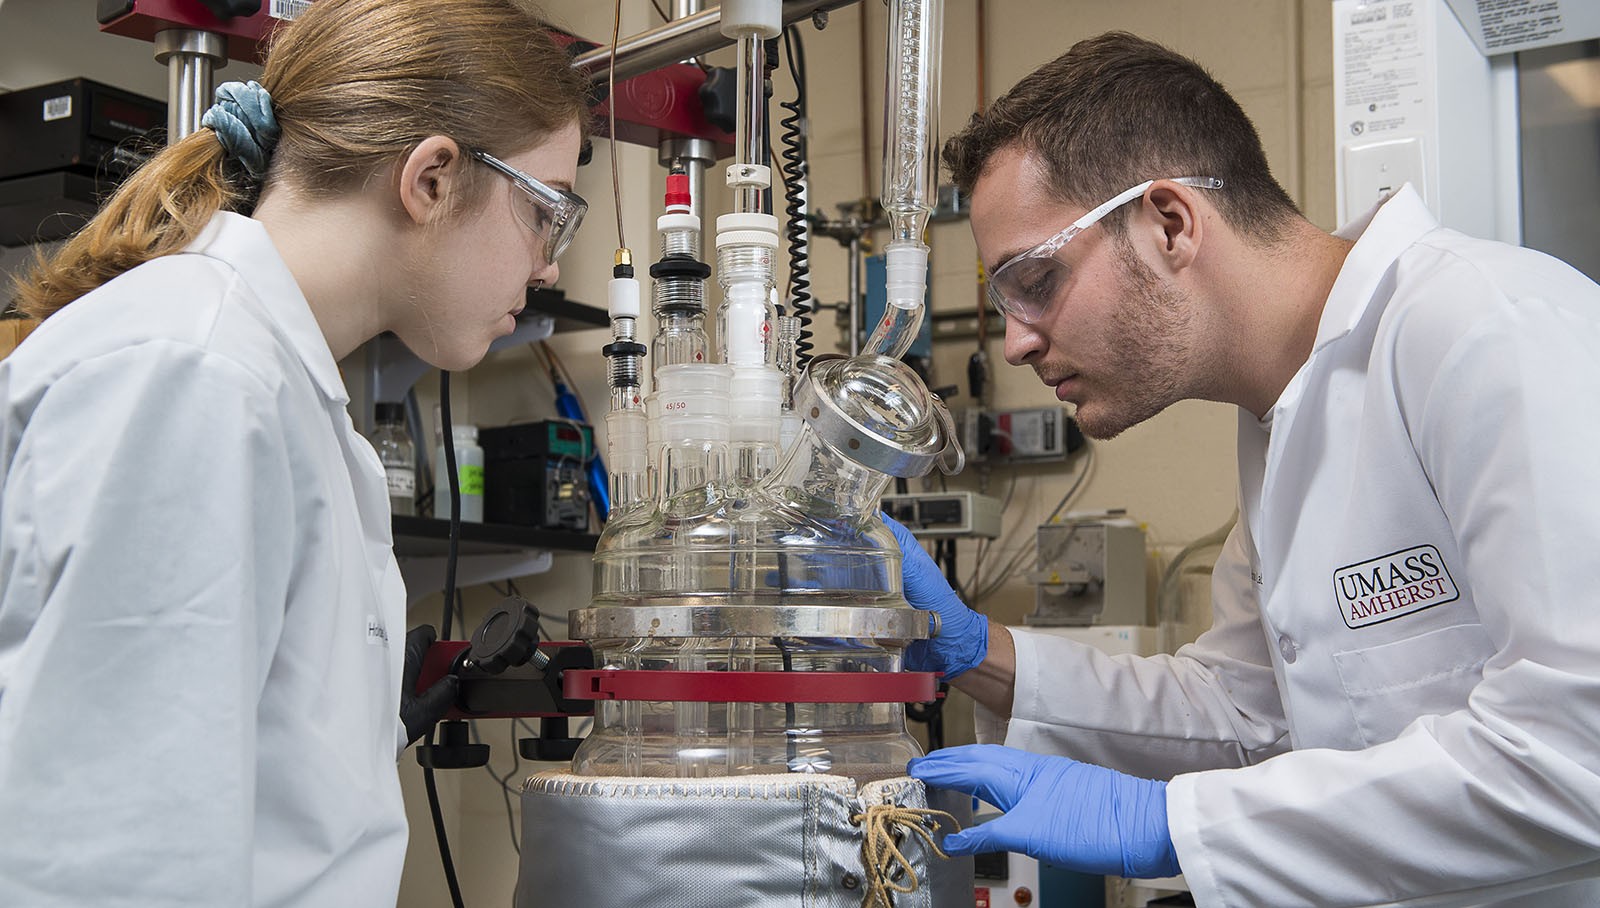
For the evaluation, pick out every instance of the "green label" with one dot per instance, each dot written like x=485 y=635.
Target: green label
x=471 y=480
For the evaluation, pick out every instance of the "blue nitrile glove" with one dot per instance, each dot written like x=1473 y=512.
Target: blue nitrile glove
x=963 y=639
x=1074 y=815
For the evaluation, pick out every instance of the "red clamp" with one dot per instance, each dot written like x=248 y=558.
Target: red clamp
x=751 y=687
x=246 y=36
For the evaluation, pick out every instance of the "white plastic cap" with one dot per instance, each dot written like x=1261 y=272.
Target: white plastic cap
x=764 y=17
x=753 y=228
x=622 y=297
x=677 y=222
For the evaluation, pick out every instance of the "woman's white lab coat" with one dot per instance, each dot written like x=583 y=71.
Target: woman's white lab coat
x=201 y=619
x=1405 y=659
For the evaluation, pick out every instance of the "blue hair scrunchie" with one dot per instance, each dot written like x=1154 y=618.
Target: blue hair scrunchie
x=243 y=121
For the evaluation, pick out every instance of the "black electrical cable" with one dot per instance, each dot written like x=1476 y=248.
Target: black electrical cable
x=796 y=165
x=932 y=712
x=447 y=433
x=791 y=749
x=444 y=633
x=461 y=608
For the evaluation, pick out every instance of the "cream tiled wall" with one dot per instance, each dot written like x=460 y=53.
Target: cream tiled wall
x=1174 y=473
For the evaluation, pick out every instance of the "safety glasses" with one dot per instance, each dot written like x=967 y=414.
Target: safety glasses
x=1025 y=285
x=553 y=214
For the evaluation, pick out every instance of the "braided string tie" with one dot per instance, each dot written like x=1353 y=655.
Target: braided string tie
x=883 y=829
x=244 y=123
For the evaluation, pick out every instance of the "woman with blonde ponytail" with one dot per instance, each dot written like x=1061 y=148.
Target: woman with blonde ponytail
x=200 y=613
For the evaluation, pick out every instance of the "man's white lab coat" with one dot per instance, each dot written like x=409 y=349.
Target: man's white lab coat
x=201 y=618
x=1405 y=659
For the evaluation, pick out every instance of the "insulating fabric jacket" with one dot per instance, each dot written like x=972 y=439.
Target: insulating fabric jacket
x=1399 y=699
x=201 y=618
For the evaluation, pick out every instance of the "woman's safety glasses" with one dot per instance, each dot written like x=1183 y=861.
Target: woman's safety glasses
x=553 y=214
x=1025 y=285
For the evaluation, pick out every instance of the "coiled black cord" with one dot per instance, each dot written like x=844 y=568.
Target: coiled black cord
x=795 y=156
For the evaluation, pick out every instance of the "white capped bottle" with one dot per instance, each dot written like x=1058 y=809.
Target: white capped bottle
x=469 y=470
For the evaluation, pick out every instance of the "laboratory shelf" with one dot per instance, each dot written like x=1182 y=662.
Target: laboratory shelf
x=569 y=315
x=429 y=537
x=488 y=552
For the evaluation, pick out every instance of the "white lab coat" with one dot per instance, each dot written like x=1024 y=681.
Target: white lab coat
x=1405 y=659
x=201 y=618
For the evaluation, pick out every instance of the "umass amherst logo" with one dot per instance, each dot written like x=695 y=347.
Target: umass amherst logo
x=1393 y=585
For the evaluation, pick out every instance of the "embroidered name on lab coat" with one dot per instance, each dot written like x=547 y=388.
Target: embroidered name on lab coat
x=1392 y=586
x=377 y=634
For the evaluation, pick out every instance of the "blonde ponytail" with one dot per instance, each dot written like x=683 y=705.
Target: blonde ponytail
x=157 y=211
x=355 y=85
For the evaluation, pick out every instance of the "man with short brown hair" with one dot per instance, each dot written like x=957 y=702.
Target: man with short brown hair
x=1399 y=699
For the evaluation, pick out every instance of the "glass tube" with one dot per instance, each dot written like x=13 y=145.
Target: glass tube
x=911 y=110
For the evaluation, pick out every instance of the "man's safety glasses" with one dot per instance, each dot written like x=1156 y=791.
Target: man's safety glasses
x=1025 y=285
x=554 y=214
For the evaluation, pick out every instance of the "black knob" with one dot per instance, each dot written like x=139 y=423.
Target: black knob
x=454 y=750
x=719 y=97
x=552 y=744
x=508 y=636
x=227 y=9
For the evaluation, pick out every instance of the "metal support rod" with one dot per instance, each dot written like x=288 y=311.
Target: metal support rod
x=683 y=9
x=191 y=58
x=853 y=291
x=695 y=154
x=681 y=38
x=752 y=122
x=851 y=230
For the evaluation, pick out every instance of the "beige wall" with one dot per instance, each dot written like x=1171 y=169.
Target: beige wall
x=1174 y=473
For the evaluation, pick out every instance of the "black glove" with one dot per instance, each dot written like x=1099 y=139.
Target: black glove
x=419 y=712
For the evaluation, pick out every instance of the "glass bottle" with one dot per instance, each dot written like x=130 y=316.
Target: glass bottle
x=469 y=472
x=398 y=456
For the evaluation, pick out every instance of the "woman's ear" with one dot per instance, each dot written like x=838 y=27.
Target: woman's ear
x=428 y=177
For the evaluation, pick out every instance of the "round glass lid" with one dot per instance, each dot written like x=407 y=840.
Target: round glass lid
x=876 y=411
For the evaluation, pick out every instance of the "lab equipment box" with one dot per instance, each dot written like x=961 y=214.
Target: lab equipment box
x=1091 y=570
x=63 y=148
x=77 y=125
x=930 y=514
x=533 y=474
